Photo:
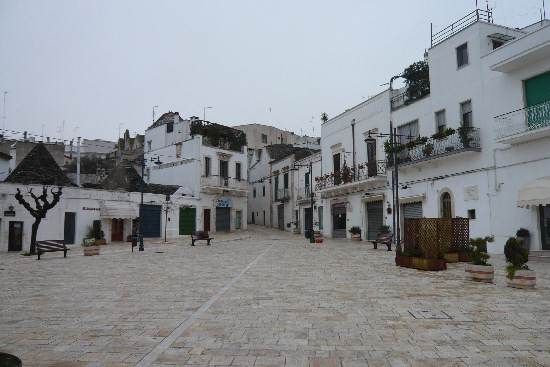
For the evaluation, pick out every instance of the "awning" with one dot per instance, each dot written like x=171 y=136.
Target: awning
x=117 y=211
x=536 y=192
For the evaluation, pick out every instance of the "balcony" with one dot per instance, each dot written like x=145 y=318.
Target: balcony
x=462 y=141
x=282 y=194
x=523 y=125
x=351 y=179
x=304 y=194
x=220 y=184
x=464 y=22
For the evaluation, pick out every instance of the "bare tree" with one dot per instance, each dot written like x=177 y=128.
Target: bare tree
x=42 y=207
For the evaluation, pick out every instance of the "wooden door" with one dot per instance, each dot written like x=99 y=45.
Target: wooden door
x=15 y=236
x=70 y=226
x=206 y=217
x=117 y=232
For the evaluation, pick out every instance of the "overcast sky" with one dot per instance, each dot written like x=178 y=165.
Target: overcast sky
x=98 y=64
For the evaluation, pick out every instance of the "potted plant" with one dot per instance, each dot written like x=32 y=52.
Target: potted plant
x=479 y=269
x=464 y=135
x=524 y=235
x=91 y=247
x=384 y=229
x=428 y=149
x=518 y=273
x=355 y=233
x=95 y=232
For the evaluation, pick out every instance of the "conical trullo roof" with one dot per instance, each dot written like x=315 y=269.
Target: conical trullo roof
x=123 y=177
x=39 y=168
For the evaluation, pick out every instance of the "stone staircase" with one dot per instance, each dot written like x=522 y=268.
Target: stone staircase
x=540 y=256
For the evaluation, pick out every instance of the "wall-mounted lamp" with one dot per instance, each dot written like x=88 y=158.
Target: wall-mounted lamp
x=370 y=139
x=388 y=209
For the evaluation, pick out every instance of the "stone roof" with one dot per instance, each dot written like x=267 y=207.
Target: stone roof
x=165 y=118
x=125 y=177
x=280 y=151
x=39 y=168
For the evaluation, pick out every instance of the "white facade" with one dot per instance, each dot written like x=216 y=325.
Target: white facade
x=86 y=205
x=259 y=193
x=177 y=158
x=481 y=176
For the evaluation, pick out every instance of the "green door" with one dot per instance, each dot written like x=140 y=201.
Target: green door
x=187 y=220
x=537 y=92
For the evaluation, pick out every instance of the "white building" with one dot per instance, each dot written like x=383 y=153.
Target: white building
x=209 y=161
x=476 y=72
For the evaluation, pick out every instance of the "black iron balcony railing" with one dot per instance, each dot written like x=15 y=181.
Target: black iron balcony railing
x=460 y=24
x=523 y=120
x=349 y=175
x=465 y=139
x=282 y=194
x=303 y=193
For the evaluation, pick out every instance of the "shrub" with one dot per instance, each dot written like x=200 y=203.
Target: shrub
x=523 y=232
x=449 y=131
x=355 y=230
x=428 y=149
x=516 y=256
x=384 y=229
x=477 y=250
x=94 y=231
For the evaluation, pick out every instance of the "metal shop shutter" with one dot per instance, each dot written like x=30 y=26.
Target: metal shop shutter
x=375 y=218
x=223 y=219
x=412 y=210
x=150 y=223
x=187 y=220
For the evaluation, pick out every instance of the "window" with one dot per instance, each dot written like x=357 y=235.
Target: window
x=224 y=169
x=149 y=146
x=306 y=179
x=462 y=55
x=446 y=205
x=170 y=127
x=238 y=171
x=285 y=180
x=263 y=191
x=238 y=219
x=254 y=193
x=320 y=212
x=264 y=138
x=276 y=186
x=336 y=162
x=407 y=132
x=466 y=112
x=472 y=214
x=440 y=121
x=207 y=166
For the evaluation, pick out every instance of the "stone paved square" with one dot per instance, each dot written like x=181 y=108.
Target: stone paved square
x=264 y=298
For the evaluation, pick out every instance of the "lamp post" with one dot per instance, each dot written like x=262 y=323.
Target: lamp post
x=204 y=113
x=142 y=184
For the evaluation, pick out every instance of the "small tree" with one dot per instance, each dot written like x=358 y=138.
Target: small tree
x=417 y=80
x=42 y=207
x=324 y=117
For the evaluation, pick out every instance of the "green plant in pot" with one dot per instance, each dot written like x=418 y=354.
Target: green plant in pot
x=94 y=231
x=518 y=273
x=91 y=246
x=384 y=229
x=524 y=235
x=355 y=232
x=428 y=149
x=479 y=269
x=464 y=135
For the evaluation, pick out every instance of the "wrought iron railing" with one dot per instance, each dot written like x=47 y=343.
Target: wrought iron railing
x=462 y=140
x=460 y=24
x=282 y=194
x=303 y=193
x=349 y=175
x=227 y=182
x=523 y=120
x=399 y=100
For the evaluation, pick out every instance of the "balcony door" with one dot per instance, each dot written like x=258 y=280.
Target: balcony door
x=537 y=100
x=336 y=164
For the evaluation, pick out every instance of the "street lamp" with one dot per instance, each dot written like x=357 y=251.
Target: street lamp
x=142 y=187
x=310 y=165
x=204 y=113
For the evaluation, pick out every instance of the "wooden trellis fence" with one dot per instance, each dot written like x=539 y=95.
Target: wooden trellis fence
x=430 y=235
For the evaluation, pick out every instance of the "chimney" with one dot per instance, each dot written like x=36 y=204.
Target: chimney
x=13 y=152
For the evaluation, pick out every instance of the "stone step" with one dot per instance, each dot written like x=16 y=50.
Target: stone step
x=540 y=256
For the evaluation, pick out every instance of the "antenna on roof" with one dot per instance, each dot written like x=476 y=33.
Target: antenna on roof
x=543 y=11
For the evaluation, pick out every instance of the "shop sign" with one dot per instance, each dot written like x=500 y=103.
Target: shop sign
x=223 y=203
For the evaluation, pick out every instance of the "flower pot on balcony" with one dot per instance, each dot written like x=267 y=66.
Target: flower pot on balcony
x=480 y=273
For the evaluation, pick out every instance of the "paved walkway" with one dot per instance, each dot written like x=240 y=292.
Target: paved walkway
x=268 y=299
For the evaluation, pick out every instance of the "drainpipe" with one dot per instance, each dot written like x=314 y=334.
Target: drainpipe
x=13 y=153
x=78 y=161
x=353 y=145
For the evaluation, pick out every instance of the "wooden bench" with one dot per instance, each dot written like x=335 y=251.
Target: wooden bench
x=384 y=239
x=200 y=235
x=51 y=246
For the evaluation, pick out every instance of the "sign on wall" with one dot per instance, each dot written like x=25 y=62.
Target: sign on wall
x=223 y=203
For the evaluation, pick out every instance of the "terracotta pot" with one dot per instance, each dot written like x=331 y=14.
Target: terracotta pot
x=405 y=261
x=523 y=279
x=318 y=240
x=480 y=273
x=91 y=250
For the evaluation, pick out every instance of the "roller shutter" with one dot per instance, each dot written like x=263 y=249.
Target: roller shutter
x=375 y=218
x=223 y=219
x=150 y=225
x=412 y=210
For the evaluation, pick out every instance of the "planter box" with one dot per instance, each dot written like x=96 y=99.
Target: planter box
x=429 y=264
x=91 y=250
x=404 y=261
x=102 y=241
x=480 y=273
x=451 y=257
x=296 y=231
x=523 y=279
x=356 y=237
x=318 y=240
x=463 y=257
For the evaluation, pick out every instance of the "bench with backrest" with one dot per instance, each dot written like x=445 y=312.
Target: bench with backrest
x=384 y=239
x=200 y=235
x=51 y=246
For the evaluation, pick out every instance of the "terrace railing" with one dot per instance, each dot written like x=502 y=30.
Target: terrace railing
x=225 y=182
x=523 y=120
x=476 y=15
x=349 y=175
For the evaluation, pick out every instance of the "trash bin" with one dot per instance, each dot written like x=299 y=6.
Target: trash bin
x=308 y=233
